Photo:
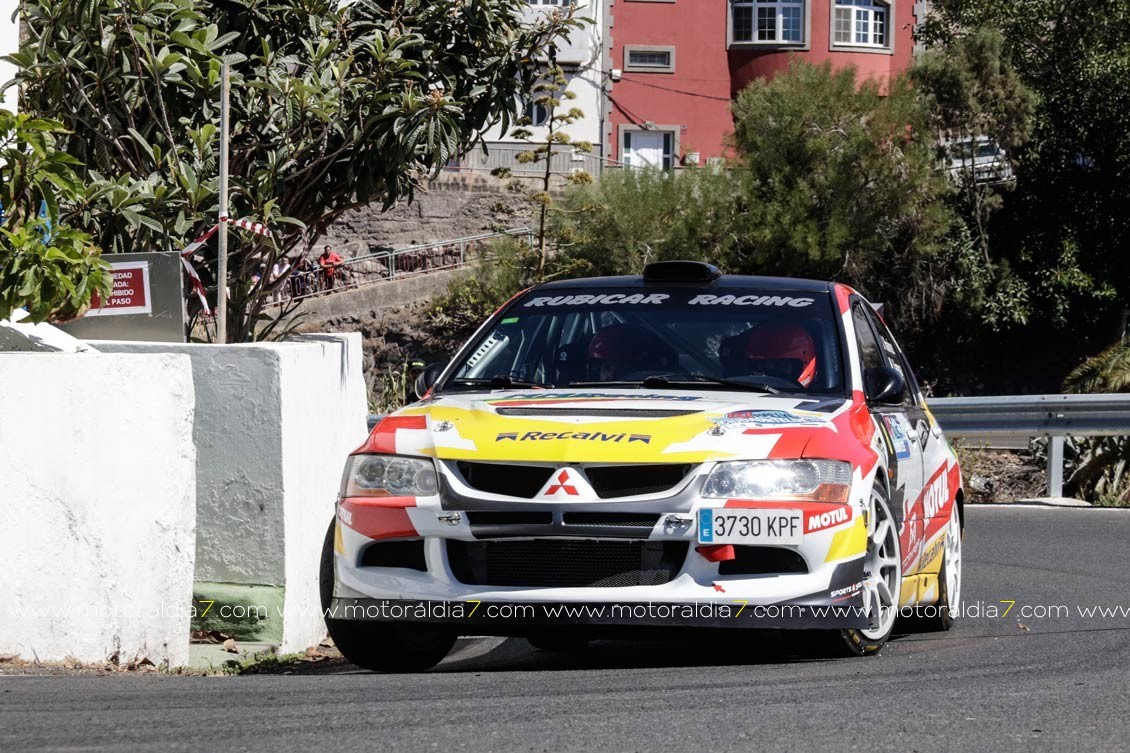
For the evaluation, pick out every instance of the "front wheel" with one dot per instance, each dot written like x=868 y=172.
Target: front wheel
x=380 y=646
x=882 y=582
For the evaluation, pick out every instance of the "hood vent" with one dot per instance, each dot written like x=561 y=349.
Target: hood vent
x=602 y=412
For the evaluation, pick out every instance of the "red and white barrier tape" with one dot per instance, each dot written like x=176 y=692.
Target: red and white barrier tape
x=256 y=227
x=197 y=284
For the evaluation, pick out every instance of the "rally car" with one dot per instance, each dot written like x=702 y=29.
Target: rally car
x=677 y=449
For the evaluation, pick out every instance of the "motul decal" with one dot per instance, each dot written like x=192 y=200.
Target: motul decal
x=819 y=521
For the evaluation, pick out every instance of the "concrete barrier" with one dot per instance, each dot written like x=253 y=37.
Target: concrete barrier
x=97 y=506
x=274 y=423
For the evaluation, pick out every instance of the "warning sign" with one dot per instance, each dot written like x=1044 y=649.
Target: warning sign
x=130 y=294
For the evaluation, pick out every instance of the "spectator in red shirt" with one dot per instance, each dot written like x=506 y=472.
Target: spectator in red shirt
x=329 y=262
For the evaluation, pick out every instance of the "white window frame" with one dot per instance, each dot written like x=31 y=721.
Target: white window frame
x=670 y=157
x=862 y=15
x=631 y=67
x=778 y=7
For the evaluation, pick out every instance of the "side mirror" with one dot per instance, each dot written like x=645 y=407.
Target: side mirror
x=426 y=378
x=884 y=385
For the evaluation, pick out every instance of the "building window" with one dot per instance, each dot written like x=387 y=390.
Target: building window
x=649 y=59
x=767 y=21
x=652 y=148
x=550 y=2
x=538 y=113
x=861 y=23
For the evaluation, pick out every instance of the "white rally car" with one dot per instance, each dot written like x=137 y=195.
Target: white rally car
x=680 y=448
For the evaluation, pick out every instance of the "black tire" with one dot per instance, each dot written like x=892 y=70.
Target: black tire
x=553 y=640
x=380 y=646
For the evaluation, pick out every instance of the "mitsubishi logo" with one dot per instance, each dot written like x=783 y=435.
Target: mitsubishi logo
x=561 y=485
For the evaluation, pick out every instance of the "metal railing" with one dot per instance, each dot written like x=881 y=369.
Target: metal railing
x=504 y=154
x=1011 y=421
x=394 y=264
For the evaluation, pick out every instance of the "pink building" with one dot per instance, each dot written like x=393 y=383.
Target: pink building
x=675 y=65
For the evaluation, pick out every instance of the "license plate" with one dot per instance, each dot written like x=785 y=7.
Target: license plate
x=739 y=526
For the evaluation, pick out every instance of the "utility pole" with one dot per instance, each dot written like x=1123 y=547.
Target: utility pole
x=222 y=252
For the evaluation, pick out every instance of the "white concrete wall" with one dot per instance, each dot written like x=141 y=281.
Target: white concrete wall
x=274 y=424
x=324 y=409
x=97 y=506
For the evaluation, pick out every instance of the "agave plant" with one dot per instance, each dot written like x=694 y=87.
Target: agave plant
x=1101 y=471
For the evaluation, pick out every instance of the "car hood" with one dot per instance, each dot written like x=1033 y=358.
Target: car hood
x=606 y=426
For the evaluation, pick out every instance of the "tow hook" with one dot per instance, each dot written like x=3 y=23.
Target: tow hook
x=677 y=520
x=451 y=518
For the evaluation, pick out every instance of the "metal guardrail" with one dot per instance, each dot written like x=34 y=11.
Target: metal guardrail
x=1011 y=421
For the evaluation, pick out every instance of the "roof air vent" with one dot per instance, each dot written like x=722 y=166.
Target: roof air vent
x=681 y=271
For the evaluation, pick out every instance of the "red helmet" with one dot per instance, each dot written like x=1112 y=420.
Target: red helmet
x=788 y=344
x=626 y=345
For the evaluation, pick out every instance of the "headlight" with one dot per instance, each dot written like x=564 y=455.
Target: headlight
x=815 y=480
x=389 y=476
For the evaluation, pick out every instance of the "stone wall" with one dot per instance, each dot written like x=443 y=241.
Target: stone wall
x=453 y=206
x=389 y=316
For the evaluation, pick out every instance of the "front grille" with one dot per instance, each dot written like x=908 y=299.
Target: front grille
x=512 y=480
x=507 y=518
x=763 y=560
x=626 y=480
x=622 y=519
x=407 y=554
x=550 y=563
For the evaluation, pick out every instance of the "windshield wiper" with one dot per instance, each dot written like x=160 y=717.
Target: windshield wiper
x=659 y=382
x=653 y=382
x=500 y=382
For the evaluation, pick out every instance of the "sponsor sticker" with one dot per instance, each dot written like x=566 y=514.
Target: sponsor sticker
x=621 y=299
x=581 y=436
x=899 y=438
x=751 y=300
x=769 y=419
x=846 y=592
x=819 y=521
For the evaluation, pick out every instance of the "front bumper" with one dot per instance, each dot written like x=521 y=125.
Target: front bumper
x=478 y=617
x=695 y=591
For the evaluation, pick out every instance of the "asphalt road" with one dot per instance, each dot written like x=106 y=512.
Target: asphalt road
x=992 y=683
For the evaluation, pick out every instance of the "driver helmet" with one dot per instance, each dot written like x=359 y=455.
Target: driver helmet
x=783 y=348
x=621 y=349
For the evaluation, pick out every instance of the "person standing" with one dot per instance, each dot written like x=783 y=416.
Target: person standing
x=330 y=263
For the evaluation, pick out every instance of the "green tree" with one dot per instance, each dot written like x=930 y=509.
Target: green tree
x=1101 y=465
x=332 y=108
x=47 y=267
x=1062 y=234
x=973 y=92
x=839 y=179
x=634 y=217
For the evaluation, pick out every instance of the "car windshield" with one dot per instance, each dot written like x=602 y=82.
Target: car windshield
x=672 y=338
